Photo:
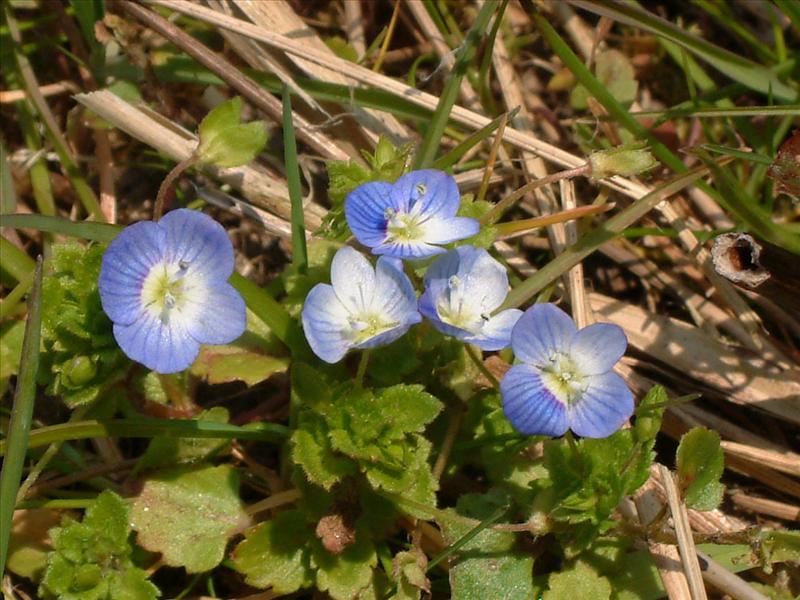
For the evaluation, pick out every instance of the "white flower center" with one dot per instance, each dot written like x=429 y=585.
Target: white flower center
x=164 y=289
x=366 y=326
x=403 y=227
x=562 y=377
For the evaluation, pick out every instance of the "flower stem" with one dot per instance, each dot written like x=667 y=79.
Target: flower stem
x=362 y=368
x=519 y=226
x=176 y=172
x=476 y=358
x=274 y=501
x=501 y=207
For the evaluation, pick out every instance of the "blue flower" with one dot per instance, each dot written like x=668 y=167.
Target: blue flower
x=565 y=379
x=462 y=290
x=410 y=218
x=364 y=307
x=164 y=285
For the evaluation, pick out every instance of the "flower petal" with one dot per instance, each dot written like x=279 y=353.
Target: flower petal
x=200 y=242
x=216 y=316
x=603 y=408
x=597 y=348
x=485 y=280
x=162 y=347
x=353 y=279
x=428 y=193
x=394 y=296
x=529 y=405
x=496 y=332
x=407 y=250
x=126 y=264
x=427 y=306
x=444 y=231
x=365 y=211
x=540 y=331
x=326 y=324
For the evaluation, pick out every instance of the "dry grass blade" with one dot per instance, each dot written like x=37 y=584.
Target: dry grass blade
x=255 y=183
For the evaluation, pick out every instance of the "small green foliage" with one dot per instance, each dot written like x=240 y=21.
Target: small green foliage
x=475 y=209
x=236 y=362
x=341 y=48
x=580 y=581
x=224 y=142
x=297 y=284
x=91 y=560
x=387 y=163
x=778 y=546
x=615 y=72
x=488 y=566
x=188 y=514
x=346 y=574
x=170 y=451
x=626 y=160
x=700 y=464
x=80 y=358
x=408 y=572
x=275 y=554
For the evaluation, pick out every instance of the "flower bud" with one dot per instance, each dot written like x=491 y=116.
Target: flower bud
x=625 y=160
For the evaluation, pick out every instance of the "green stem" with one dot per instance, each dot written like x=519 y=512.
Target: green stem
x=362 y=368
x=476 y=358
x=166 y=185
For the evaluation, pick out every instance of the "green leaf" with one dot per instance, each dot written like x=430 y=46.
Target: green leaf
x=700 y=464
x=276 y=555
x=779 y=546
x=408 y=474
x=341 y=48
x=188 y=514
x=346 y=574
x=80 y=357
x=488 y=566
x=581 y=581
x=615 y=72
x=224 y=142
x=168 y=451
x=91 y=560
x=235 y=362
x=312 y=450
x=408 y=571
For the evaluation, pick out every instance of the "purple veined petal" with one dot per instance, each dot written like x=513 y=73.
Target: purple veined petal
x=496 y=332
x=603 y=408
x=326 y=324
x=542 y=330
x=127 y=261
x=407 y=250
x=199 y=242
x=162 y=347
x=437 y=230
x=428 y=193
x=427 y=307
x=529 y=405
x=394 y=297
x=443 y=267
x=216 y=315
x=353 y=279
x=597 y=348
x=365 y=211
x=485 y=280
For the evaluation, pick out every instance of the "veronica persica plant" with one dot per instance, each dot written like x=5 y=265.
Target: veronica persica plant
x=411 y=218
x=565 y=378
x=364 y=307
x=462 y=290
x=165 y=286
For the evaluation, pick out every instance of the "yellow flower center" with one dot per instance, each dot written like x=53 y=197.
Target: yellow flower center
x=164 y=289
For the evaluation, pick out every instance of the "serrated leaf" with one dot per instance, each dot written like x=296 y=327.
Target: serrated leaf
x=312 y=450
x=346 y=574
x=169 y=451
x=581 y=581
x=276 y=555
x=408 y=571
x=91 y=559
x=29 y=543
x=188 y=514
x=223 y=364
x=700 y=464
x=487 y=566
x=614 y=70
x=410 y=474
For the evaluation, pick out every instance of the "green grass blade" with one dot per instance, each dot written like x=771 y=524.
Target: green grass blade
x=467 y=537
x=88 y=230
x=299 y=252
x=452 y=157
x=15 y=262
x=740 y=154
x=21 y=414
x=464 y=55
x=596 y=238
x=149 y=428
x=754 y=76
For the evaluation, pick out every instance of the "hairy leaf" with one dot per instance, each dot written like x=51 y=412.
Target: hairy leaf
x=700 y=464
